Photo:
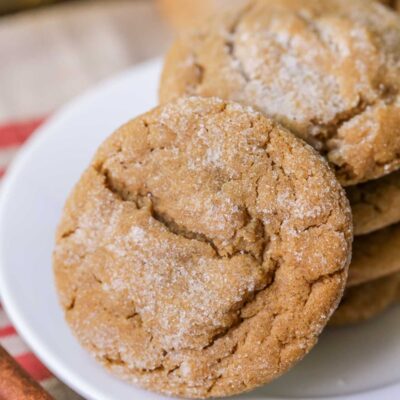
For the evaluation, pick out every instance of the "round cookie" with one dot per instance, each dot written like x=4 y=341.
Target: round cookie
x=366 y=301
x=375 y=255
x=328 y=70
x=203 y=250
x=375 y=204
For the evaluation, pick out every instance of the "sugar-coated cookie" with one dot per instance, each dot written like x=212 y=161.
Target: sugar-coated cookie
x=328 y=70
x=203 y=250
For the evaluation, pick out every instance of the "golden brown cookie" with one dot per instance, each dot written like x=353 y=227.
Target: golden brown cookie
x=375 y=255
x=328 y=70
x=366 y=301
x=203 y=250
x=375 y=204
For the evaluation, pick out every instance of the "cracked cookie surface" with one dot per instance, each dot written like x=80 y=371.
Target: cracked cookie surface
x=328 y=70
x=203 y=250
x=366 y=301
x=375 y=204
x=375 y=255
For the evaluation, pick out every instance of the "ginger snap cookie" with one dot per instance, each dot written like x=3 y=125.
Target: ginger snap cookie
x=375 y=255
x=366 y=301
x=328 y=70
x=375 y=204
x=203 y=250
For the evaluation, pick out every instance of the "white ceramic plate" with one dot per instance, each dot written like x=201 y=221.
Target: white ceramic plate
x=362 y=362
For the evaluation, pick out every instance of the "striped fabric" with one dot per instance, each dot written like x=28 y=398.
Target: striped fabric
x=12 y=136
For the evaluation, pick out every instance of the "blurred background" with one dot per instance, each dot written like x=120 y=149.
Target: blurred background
x=7 y=6
x=52 y=50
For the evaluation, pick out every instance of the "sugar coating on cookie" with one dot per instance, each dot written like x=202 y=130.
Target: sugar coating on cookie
x=328 y=70
x=375 y=255
x=363 y=302
x=203 y=250
x=375 y=204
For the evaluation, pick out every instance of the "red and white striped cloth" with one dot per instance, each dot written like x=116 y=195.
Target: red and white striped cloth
x=12 y=136
x=10 y=340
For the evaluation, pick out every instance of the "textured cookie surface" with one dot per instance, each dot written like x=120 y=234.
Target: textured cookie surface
x=203 y=250
x=328 y=70
x=375 y=255
x=375 y=204
x=366 y=301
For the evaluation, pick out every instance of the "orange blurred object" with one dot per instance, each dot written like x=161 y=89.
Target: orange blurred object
x=16 y=384
x=184 y=14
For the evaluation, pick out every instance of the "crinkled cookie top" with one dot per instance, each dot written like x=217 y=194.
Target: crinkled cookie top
x=203 y=250
x=328 y=70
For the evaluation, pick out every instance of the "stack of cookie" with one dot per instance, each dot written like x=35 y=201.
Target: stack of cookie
x=375 y=270
x=207 y=245
x=329 y=71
